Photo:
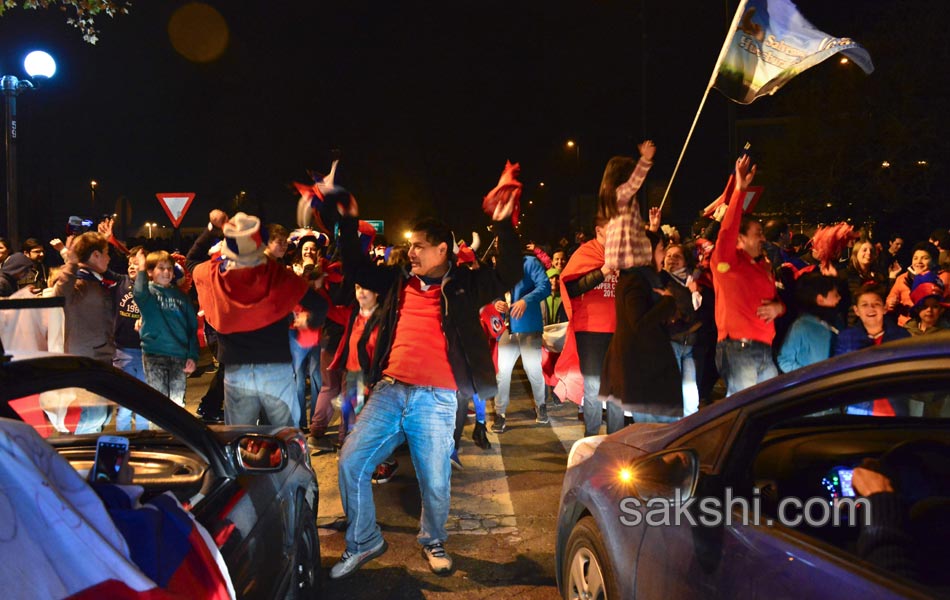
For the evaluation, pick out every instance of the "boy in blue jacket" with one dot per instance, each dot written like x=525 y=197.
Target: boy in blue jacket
x=872 y=330
x=810 y=337
x=169 y=326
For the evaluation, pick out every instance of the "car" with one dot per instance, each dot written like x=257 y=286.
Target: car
x=789 y=443
x=260 y=513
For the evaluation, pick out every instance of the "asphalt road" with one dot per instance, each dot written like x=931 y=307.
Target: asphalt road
x=502 y=517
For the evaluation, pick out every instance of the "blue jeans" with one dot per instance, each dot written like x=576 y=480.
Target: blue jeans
x=639 y=417
x=92 y=418
x=306 y=363
x=250 y=388
x=130 y=361
x=684 y=360
x=510 y=346
x=744 y=364
x=395 y=413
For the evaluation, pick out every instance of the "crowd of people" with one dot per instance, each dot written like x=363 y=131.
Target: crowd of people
x=637 y=323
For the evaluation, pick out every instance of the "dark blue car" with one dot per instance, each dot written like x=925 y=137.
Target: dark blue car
x=659 y=510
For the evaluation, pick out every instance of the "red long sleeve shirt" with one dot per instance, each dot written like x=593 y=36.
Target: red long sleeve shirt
x=741 y=283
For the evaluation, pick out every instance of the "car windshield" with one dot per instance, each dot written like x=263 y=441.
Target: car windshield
x=72 y=419
x=67 y=411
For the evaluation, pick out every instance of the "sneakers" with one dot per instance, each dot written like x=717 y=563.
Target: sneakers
x=439 y=560
x=480 y=436
x=454 y=457
x=351 y=561
x=385 y=471
x=542 y=415
x=498 y=425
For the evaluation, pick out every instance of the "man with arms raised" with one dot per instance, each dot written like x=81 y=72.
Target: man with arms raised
x=429 y=346
x=747 y=303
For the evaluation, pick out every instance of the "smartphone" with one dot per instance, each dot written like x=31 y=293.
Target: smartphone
x=112 y=453
x=844 y=477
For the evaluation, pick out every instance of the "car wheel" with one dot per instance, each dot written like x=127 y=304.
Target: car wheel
x=306 y=582
x=587 y=574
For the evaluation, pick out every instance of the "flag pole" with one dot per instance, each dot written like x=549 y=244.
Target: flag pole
x=712 y=79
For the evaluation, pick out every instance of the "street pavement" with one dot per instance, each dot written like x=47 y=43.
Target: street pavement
x=502 y=518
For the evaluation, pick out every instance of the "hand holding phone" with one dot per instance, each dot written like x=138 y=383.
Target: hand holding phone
x=112 y=456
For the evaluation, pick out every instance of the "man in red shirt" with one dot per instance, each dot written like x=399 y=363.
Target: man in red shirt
x=429 y=347
x=747 y=303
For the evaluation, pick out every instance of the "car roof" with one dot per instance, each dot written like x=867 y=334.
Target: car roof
x=926 y=347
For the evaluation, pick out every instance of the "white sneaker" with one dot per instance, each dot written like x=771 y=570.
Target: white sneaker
x=350 y=562
x=439 y=560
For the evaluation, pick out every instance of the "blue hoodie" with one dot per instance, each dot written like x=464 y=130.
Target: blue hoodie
x=533 y=288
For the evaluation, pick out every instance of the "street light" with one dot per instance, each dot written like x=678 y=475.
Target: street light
x=36 y=64
x=150 y=225
x=92 y=189
x=572 y=145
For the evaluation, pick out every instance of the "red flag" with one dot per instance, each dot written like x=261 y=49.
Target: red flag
x=507 y=184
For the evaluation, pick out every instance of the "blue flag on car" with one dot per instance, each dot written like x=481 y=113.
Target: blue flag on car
x=770 y=43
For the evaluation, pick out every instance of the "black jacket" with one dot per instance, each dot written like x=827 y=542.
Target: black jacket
x=464 y=292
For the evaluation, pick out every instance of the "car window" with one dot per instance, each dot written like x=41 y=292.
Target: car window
x=894 y=514
x=929 y=404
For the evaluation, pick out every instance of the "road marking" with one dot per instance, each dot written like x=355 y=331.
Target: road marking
x=330 y=507
x=566 y=427
x=480 y=490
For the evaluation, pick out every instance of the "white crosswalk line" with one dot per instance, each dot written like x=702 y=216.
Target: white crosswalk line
x=567 y=428
x=481 y=488
x=330 y=507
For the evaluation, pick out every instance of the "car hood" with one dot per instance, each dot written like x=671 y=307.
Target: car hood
x=643 y=436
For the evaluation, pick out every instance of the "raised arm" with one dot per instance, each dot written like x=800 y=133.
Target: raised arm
x=729 y=232
x=208 y=238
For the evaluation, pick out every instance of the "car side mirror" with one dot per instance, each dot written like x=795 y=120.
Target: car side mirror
x=260 y=453
x=661 y=475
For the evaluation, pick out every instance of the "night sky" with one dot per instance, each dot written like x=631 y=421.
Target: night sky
x=423 y=101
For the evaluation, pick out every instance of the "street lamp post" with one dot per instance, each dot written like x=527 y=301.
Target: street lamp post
x=571 y=144
x=92 y=190
x=150 y=225
x=37 y=64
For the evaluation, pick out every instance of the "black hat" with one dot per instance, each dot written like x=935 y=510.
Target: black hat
x=375 y=279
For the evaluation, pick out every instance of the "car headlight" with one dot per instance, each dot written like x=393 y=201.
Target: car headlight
x=583 y=449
